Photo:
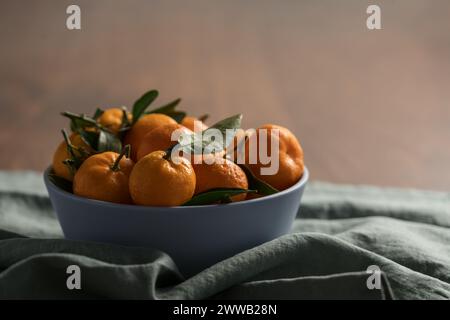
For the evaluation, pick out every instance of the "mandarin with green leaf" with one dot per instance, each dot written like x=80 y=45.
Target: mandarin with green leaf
x=105 y=176
x=218 y=172
x=81 y=150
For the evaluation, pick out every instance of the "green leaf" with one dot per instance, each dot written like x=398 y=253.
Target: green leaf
x=200 y=139
x=98 y=113
x=108 y=142
x=61 y=183
x=233 y=122
x=178 y=116
x=142 y=104
x=90 y=138
x=260 y=186
x=215 y=195
x=166 y=108
x=169 y=110
x=79 y=121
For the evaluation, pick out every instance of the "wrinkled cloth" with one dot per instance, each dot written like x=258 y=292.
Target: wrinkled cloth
x=339 y=233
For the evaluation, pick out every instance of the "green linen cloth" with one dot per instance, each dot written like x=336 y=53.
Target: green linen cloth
x=339 y=233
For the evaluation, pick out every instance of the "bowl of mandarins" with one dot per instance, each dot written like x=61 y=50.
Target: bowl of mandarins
x=162 y=179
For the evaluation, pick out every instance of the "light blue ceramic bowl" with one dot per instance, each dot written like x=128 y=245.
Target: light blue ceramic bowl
x=195 y=237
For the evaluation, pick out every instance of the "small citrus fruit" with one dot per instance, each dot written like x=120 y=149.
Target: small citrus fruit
x=104 y=176
x=112 y=119
x=224 y=174
x=291 y=162
x=144 y=125
x=160 y=138
x=157 y=181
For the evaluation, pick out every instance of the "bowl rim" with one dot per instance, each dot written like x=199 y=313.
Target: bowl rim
x=49 y=184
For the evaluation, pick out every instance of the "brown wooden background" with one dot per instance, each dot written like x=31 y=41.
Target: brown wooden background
x=369 y=107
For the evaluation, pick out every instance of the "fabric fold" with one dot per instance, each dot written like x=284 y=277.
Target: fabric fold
x=340 y=233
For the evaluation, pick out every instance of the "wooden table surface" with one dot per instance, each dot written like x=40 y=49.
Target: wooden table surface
x=369 y=107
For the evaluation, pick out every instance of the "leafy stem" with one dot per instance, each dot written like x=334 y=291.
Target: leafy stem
x=72 y=148
x=217 y=195
x=98 y=113
x=262 y=188
x=169 y=110
x=81 y=121
x=75 y=160
x=202 y=139
x=142 y=104
x=125 y=152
